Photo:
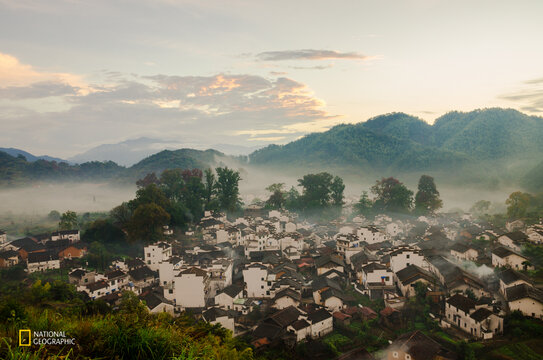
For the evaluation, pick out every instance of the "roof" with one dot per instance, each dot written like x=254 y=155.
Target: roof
x=196 y=271
x=214 y=313
x=359 y=353
x=232 y=290
x=505 y=252
x=8 y=254
x=481 y=314
x=325 y=259
x=27 y=244
x=152 y=300
x=322 y=282
x=42 y=257
x=462 y=302
x=284 y=317
x=413 y=273
x=318 y=316
x=97 y=285
x=142 y=273
x=388 y=311
x=331 y=292
x=461 y=248
x=516 y=236
x=509 y=276
x=65 y=232
x=289 y=293
x=523 y=291
x=267 y=330
x=418 y=345
x=78 y=273
x=114 y=274
x=341 y=316
x=374 y=266
x=300 y=324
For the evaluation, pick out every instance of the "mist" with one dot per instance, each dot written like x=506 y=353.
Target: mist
x=78 y=197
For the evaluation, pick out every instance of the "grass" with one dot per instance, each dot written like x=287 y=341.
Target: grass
x=528 y=350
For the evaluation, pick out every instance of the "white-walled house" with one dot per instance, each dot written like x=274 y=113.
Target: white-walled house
x=513 y=240
x=157 y=304
x=525 y=299
x=463 y=252
x=510 y=277
x=72 y=235
x=256 y=281
x=480 y=322
x=322 y=323
x=502 y=256
x=3 y=237
x=228 y=295
x=375 y=273
x=403 y=256
x=370 y=235
x=411 y=275
x=156 y=253
x=42 y=261
x=190 y=288
x=216 y=315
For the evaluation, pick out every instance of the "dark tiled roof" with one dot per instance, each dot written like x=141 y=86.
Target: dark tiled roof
x=504 y=252
x=142 y=273
x=318 y=316
x=214 y=313
x=78 y=273
x=284 y=317
x=325 y=259
x=462 y=302
x=418 y=345
x=8 y=254
x=196 y=271
x=413 y=273
x=481 y=314
x=288 y=292
x=516 y=236
x=27 y=244
x=41 y=257
x=97 y=285
x=523 y=291
x=232 y=290
x=114 y=274
x=509 y=275
x=374 y=266
x=65 y=232
x=300 y=324
x=151 y=300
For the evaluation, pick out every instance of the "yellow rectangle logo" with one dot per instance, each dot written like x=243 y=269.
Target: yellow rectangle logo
x=24 y=337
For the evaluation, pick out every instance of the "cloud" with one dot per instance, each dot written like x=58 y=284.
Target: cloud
x=318 y=67
x=309 y=54
x=529 y=98
x=193 y=109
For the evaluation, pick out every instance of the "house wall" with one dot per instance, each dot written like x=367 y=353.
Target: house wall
x=333 y=303
x=189 y=290
x=284 y=302
x=529 y=307
x=42 y=266
x=163 y=307
x=375 y=276
x=322 y=328
x=404 y=259
x=256 y=282
x=226 y=322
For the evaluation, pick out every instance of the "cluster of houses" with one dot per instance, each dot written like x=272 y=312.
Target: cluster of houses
x=281 y=280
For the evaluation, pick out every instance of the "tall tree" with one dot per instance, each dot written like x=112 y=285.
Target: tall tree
x=148 y=180
x=68 y=220
x=147 y=195
x=364 y=205
x=172 y=183
x=316 y=190
x=427 y=198
x=517 y=204
x=210 y=185
x=277 y=197
x=146 y=223
x=228 y=189
x=336 y=188
x=392 y=195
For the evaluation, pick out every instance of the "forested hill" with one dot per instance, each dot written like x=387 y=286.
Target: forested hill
x=16 y=171
x=402 y=142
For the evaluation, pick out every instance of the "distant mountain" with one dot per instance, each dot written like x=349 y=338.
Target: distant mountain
x=402 y=142
x=533 y=180
x=29 y=156
x=129 y=152
x=15 y=171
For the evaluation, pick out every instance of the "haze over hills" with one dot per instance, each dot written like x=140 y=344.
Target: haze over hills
x=129 y=152
x=491 y=146
x=29 y=156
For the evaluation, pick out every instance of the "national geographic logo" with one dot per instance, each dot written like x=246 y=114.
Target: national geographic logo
x=24 y=337
x=28 y=337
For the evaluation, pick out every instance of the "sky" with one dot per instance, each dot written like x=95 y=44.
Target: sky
x=76 y=74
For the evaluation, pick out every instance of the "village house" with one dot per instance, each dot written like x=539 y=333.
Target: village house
x=71 y=235
x=156 y=304
x=464 y=252
x=411 y=275
x=256 y=281
x=96 y=289
x=326 y=263
x=228 y=295
x=403 y=256
x=322 y=323
x=513 y=240
x=140 y=278
x=3 y=237
x=509 y=277
x=73 y=251
x=42 y=261
x=479 y=322
x=216 y=315
x=156 y=253
x=81 y=277
x=8 y=258
x=414 y=346
x=526 y=299
x=502 y=256
x=195 y=279
x=117 y=280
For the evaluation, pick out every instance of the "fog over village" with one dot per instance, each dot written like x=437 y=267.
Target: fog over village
x=355 y=180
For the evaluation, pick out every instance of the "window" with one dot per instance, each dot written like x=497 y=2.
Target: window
x=408 y=256
x=395 y=354
x=407 y=357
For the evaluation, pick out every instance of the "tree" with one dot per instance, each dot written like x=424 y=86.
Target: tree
x=292 y=199
x=146 y=223
x=392 y=195
x=517 y=204
x=147 y=180
x=228 y=189
x=172 y=184
x=336 y=188
x=103 y=231
x=151 y=194
x=316 y=190
x=427 y=198
x=364 y=205
x=480 y=208
x=121 y=214
x=193 y=197
x=53 y=216
x=68 y=221
x=210 y=190
x=277 y=198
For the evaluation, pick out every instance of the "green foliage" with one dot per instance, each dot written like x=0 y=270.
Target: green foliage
x=68 y=221
x=427 y=198
x=517 y=204
x=392 y=196
x=103 y=231
x=147 y=222
x=364 y=206
x=228 y=189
